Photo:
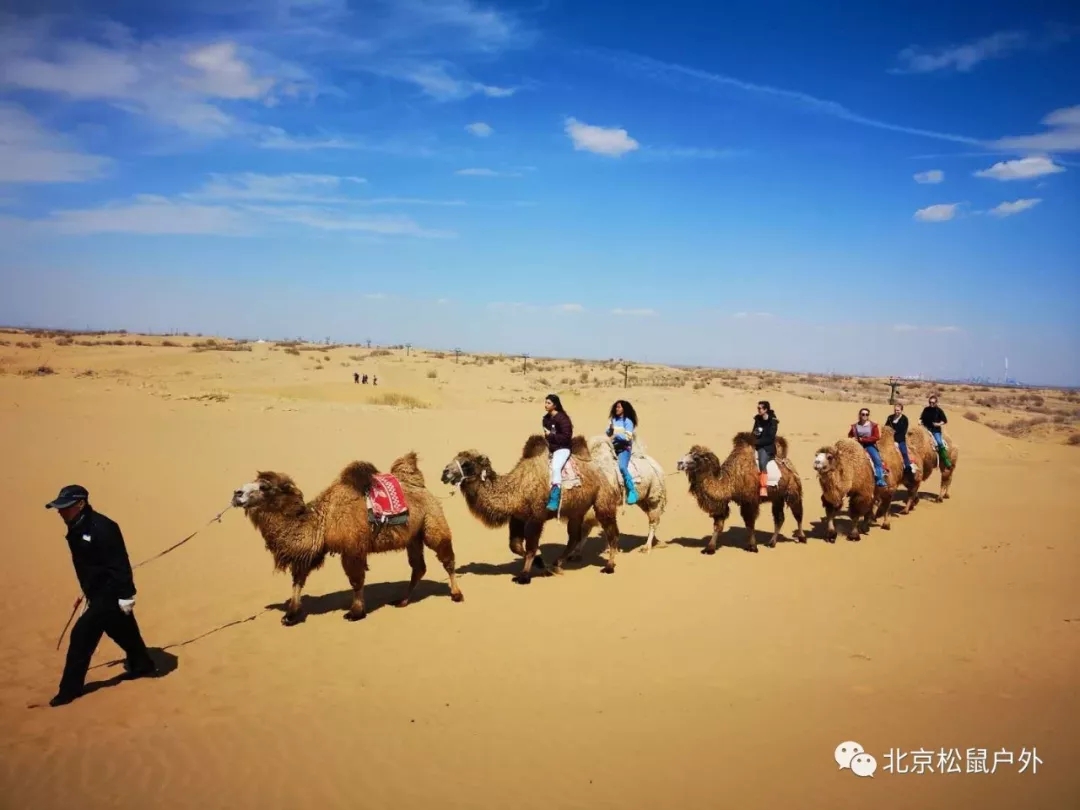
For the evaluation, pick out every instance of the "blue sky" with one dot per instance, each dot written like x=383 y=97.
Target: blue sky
x=888 y=190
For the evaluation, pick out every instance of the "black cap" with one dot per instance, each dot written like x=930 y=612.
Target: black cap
x=69 y=496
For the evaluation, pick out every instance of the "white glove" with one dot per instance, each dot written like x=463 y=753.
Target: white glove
x=127 y=605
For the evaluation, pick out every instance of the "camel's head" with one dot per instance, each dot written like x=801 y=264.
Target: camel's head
x=697 y=458
x=268 y=488
x=825 y=460
x=466 y=465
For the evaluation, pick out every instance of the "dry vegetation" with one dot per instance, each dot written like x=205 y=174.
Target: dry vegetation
x=1043 y=414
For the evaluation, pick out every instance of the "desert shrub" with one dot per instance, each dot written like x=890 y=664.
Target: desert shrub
x=40 y=371
x=431 y=375
x=396 y=400
x=971 y=416
x=380 y=353
x=293 y=351
x=1073 y=440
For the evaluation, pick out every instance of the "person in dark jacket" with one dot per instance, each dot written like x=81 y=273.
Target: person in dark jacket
x=934 y=419
x=102 y=567
x=867 y=434
x=558 y=430
x=765 y=423
x=898 y=422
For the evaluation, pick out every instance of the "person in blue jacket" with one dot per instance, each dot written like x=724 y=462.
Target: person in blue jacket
x=623 y=420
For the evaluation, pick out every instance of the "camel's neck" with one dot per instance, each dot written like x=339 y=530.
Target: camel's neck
x=712 y=487
x=492 y=500
x=283 y=532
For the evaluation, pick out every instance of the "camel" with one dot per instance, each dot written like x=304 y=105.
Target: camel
x=895 y=472
x=651 y=489
x=923 y=458
x=844 y=471
x=714 y=485
x=921 y=444
x=299 y=535
x=519 y=499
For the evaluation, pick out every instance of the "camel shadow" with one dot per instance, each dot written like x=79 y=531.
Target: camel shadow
x=735 y=537
x=376 y=596
x=549 y=551
x=166 y=664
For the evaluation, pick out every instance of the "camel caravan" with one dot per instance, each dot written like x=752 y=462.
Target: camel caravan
x=583 y=483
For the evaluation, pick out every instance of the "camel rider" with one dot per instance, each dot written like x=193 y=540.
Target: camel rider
x=765 y=423
x=898 y=422
x=621 y=424
x=558 y=430
x=867 y=434
x=934 y=419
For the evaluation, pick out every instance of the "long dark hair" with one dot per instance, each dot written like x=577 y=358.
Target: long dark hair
x=556 y=402
x=627 y=409
x=769 y=412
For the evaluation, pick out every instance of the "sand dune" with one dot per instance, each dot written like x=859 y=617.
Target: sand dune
x=682 y=681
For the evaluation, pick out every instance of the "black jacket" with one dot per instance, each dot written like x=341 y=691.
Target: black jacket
x=563 y=430
x=765 y=432
x=931 y=415
x=899 y=426
x=100 y=557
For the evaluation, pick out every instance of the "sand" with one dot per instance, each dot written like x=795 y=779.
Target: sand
x=681 y=681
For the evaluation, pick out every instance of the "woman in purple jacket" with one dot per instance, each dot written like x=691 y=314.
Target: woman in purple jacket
x=558 y=430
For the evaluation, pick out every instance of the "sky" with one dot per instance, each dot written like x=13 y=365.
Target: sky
x=880 y=189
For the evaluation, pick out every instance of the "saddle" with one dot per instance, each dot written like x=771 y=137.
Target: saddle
x=571 y=476
x=386 y=504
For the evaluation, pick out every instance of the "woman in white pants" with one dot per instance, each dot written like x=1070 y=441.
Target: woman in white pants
x=558 y=430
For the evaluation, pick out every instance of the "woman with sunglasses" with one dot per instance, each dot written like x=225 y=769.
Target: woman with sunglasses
x=867 y=434
x=765 y=423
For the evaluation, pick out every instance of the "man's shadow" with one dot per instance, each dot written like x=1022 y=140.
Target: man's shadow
x=165 y=661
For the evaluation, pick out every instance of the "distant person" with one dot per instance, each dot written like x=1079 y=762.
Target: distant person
x=765 y=423
x=101 y=565
x=374 y=380
x=622 y=421
x=898 y=422
x=867 y=434
x=356 y=378
x=365 y=379
x=934 y=419
x=558 y=430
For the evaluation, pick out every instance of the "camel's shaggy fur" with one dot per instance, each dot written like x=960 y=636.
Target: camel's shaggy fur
x=921 y=443
x=844 y=471
x=652 y=492
x=519 y=499
x=299 y=535
x=912 y=480
x=714 y=485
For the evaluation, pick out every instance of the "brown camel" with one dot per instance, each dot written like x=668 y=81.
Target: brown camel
x=299 y=535
x=714 y=485
x=651 y=489
x=519 y=498
x=921 y=443
x=844 y=471
x=917 y=452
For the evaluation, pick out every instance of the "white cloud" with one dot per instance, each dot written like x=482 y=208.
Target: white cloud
x=937 y=213
x=324 y=220
x=609 y=141
x=485 y=173
x=1007 y=209
x=570 y=308
x=150 y=215
x=1021 y=169
x=931 y=176
x=29 y=153
x=1064 y=134
x=641 y=313
x=437 y=79
x=960 y=57
x=906 y=327
x=276 y=188
x=742 y=315
x=480 y=129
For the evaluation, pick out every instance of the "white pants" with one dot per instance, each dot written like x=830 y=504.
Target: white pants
x=558 y=461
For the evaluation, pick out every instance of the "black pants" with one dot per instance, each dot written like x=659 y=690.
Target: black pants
x=103 y=616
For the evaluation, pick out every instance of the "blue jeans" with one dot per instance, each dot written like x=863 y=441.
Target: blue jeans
x=624 y=462
x=875 y=456
x=940 y=442
x=764 y=454
x=903 y=453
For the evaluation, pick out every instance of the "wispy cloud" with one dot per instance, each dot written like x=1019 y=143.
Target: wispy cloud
x=931 y=176
x=639 y=313
x=30 y=153
x=570 y=308
x=481 y=172
x=1063 y=135
x=147 y=215
x=942 y=212
x=960 y=57
x=1008 y=209
x=479 y=129
x=674 y=73
x=906 y=327
x=687 y=153
x=1021 y=169
x=742 y=315
x=608 y=141
x=444 y=81
x=276 y=188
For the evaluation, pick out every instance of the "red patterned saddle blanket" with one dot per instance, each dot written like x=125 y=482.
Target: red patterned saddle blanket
x=571 y=476
x=386 y=501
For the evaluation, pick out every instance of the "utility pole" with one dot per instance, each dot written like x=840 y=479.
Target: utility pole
x=625 y=375
x=408 y=348
x=893 y=390
x=457 y=355
x=369 y=343
x=525 y=364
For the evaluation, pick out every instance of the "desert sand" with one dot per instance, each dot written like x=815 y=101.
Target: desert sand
x=681 y=681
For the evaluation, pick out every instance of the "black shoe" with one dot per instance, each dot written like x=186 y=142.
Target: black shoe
x=62 y=698
x=148 y=670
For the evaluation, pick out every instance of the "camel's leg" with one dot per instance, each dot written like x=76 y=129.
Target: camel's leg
x=795 y=502
x=830 y=524
x=749 y=512
x=572 y=552
x=355 y=566
x=651 y=540
x=718 y=521
x=778 y=520
x=415 y=551
x=884 y=512
x=611 y=534
x=946 y=482
x=859 y=512
x=517 y=536
x=533 y=530
x=293 y=613
x=437 y=538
